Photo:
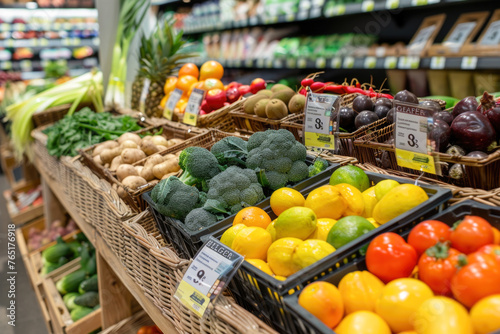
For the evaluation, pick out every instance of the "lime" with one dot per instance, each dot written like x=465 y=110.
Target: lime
x=352 y=175
x=297 y=222
x=383 y=187
x=347 y=229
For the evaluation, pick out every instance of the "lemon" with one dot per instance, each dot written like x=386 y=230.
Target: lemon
x=353 y=197
x=323 y=226
x=297 y=222
x=262 y=265
x=252 y=242
x=270 y=228
x=280 y=256
x=370 y=200
x=352 y=175
x=228 y=236
x=285 y=198
x=280 y=278
x=383 y=187
x=326 y=202
x=311 y=251
x=347 y=229
x=397 y=201
x=373 y=222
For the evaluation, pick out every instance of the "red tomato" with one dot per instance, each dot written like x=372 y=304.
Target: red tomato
x=427 y=234
x=389 y=257
x=470 y=234
x=476 y=280
x=437 y=266
x=491 y=250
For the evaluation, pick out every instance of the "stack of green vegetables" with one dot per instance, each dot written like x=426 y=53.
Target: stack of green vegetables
x=85 y=88
x=80 y=288
x=234 y=174
x=86 y=128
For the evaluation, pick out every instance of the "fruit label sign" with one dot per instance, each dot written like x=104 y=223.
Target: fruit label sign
x=492 y=35
x=411 y=135
x=193 y=107
x=172 y=101
x=212 y=268
x=319 y=122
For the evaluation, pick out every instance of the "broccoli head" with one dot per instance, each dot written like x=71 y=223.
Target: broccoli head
x=199 y=166
x=318 y=166
x=175 y=199
x=230 y=151
x=198 y=219
x=233 y=189
x=279 y=155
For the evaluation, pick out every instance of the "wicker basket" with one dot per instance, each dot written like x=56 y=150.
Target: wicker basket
x=478 y=173
x=51 y=165
x=130 y=325
x=54 y=114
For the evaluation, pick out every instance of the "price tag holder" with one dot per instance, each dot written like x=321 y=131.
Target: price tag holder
x=349 y=62
x=469 y=63
x=320 y=62
x=291 y=63
x=392 y=4
x=25 y=65
x=368 y=6
x=6 y=65
x=193 y=107
x=319 y=123
x=339 y=10
x=411 y=133
x=172 y=101
x=301 y=63
x=370 y=62
x=409 y=63
x=438 y=63
x=336 y=62
x=212 y=268
x=249 y=63
x=278 y=63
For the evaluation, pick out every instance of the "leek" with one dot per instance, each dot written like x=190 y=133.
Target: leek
x=85 y=88
x=132 y=13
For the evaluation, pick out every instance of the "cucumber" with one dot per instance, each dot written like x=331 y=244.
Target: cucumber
x=48 y=267
x=71 y=282
x=69 y=300
x=88 y=299
x=54 y=253
x=89 y=284
x=75 y=247
x=91 y=266
x=80 y=312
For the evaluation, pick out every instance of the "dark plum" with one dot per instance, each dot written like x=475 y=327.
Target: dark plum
x=365 y=118
x=467 y=104
x=440 y=133
x=346 y=118
x=406 y=96
x=433 y=105
x=381 y=111
x=444 y=116
x=477 y=154
x=491 y=109
x=472 y=131
x=390 y=116
x=362 y=102
x=383 y=101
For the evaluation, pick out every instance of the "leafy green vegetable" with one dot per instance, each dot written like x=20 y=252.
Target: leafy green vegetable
x=86 y=128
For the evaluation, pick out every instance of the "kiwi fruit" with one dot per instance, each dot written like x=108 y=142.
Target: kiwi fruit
x=283 y=95
x=276 y=109
x=266 y=92
x=260 y=108
x=249 y=104
x=279 y=87
x=297 y=104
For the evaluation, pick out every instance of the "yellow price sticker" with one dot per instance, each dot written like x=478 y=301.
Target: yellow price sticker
x=417 y=161
x=193 y=107
x=312 y=139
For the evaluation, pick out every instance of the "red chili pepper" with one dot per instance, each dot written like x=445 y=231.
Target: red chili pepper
x=303 y=91
x=307 y=82
x=318 y=87
x=336 y=89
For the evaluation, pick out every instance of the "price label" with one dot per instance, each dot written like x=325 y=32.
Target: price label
x=339 y=10
x=260 y=63
x=66 y=41
x=5 y=27
x=67 y=26
x=419 y=2
x=302 y=63
x=25 y=65
x=411 y=134
x=10 y=43
x=315 y=12
x=57 y=26
x=76 y=41
x=193 y=107
x=469 y=63
x=291 y=63
x=212 y=268
x=290 y=17
x=254 y=20
x=6 y=65
x=336 y=62
x=392 y=4
x=43 y=42
x=302 y=15
x=237 y=62
x=319 y=121
x=438 y=63
x=249 y=63
x=368 y=6
x=349 y=62
x=172 y=101
x=320 y=62
x=278 y=63
x=370 y=62
x=19 y=27
x=492 y=35
x=409 y=63
x=269 y=63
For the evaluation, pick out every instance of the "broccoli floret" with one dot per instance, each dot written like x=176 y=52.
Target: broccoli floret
x=279 y=155
x=175 y=199
x=232 y=189
x=230 y=151
x=318 y=166
x=199 y=219
x=199 y=166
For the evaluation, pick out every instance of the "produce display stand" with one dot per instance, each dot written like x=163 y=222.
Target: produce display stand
x=29 y=213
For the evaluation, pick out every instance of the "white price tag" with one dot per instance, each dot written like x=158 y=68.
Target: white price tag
x=320 y=62
x=291 y=63
x=210 y=271
x=237 y=63
x=172 y=101
x=392 y=4
x=409 y=63
x=368 y=6
x=339 y=10
x=318 y=121
x=193 y=106
x=492 y=35
x=290 y=18
x=278 y=63
x=6 y=65
x=349 y=62
x=302 y=15
x=249 y=63
x=469 y=63
x=336 y=62
x=269 y=63
x=438 y=63
x=260 y=63
x=301 y=63
x=5 y=27
x=419 y=2
x=25 y=65
x=370 y=62
x=254 y=20
x=315 y=12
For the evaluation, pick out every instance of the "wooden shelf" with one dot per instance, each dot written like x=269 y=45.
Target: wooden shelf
x=111 y=312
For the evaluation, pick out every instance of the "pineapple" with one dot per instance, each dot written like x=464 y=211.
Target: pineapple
x=137 y=86
x=161 y=54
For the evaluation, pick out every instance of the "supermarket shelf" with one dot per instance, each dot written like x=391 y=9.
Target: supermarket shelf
x=48 y=27
x=213 y=23
x=110 y=257
x=360 y=63
x=35 y=65
x=50 y=43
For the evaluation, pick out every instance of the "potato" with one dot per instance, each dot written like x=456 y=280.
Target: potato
x=148 y=147
x=147 y=173
x=131 y=155
x=174 y=141
x=134 y=182
x=117 y=161
x=169 y=156
x=154 y=160
x=148 y=137
x=130 y=136
x=161 y=147
x=166 y=167
x=97 y=160
x=107 y=155
x=138 y=169
x=125 y=170
x=107 y=144
x=129 y=144
x=159 y=140
x=121 y=192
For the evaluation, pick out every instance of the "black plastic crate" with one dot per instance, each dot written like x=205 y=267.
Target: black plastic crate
x=262 y=294
x=187 y=243
x=305 y=322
